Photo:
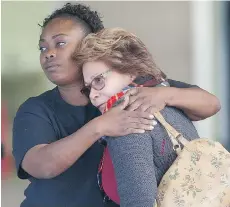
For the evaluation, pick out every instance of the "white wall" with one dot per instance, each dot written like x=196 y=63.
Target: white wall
x=20 y=34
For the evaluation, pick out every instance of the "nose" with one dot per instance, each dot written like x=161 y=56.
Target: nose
x=50 y=54
x=93 y=95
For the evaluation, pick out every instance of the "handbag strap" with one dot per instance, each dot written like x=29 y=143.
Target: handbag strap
x=176 y=138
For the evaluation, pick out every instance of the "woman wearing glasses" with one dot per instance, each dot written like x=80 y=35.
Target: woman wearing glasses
x=112 y=62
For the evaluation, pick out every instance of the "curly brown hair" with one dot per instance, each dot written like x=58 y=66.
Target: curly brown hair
x=120 y=50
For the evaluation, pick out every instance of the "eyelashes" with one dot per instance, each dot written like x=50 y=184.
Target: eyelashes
x=58 y=44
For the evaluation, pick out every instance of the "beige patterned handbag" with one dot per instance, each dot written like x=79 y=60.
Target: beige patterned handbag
x=199 y=177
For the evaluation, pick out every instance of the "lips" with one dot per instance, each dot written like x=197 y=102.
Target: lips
x=101 y=107
x=51 y=66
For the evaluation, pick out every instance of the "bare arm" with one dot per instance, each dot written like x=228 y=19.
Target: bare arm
x=196 y=103
x=50 y=160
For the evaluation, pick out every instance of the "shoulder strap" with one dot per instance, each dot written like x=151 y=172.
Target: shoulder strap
x=176 y=138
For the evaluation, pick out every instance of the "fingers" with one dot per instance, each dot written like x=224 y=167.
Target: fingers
x=142 y=121
x=132 y=99
x=121 y=122
x=141 y=126
x=142 y=105
x=133 y=91
x=139 y=105
x=123 y=104
x=137 y=129
x=153 y=109
x=134 y=105
x=144 y=108
x=139 y=114
x=138 y=124
x=133 y=131
x=133 y=96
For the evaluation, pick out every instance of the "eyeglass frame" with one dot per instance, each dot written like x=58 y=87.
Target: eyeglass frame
x=89 y=86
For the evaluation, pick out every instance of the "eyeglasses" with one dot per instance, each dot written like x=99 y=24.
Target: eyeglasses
x=98 y=83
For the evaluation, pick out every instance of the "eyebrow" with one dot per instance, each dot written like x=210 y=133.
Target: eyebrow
x=94 y=76
x=53 y=37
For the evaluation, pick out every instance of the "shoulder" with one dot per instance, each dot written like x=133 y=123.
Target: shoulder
x=176 y=117
x=37 y=105
x=172 y=114
x=179 y=121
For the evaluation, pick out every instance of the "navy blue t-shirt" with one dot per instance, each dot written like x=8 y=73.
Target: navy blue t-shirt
x=45 y=119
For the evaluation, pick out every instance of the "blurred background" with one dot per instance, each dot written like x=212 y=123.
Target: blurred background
x=190 y=41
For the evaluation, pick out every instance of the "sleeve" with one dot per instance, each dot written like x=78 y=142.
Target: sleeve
x=178 y=84
x=132 y=158
x=31 y=127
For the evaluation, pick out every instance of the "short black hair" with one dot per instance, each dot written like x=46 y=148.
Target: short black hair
x=89 y=19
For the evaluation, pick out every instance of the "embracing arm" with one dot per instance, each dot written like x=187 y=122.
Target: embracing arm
x=36 y=148
x=40 y=154
x=195 y=102
x=49 y=160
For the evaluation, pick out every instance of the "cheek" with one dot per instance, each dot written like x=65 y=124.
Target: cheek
x=42 y=61
x=69 y=63
x=66 y=54
x=102 y=95
x=112 y=87
x=42 y=58
x=106 y=93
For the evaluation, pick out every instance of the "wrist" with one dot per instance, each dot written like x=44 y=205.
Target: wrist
x=97 y=127
x=171 y=95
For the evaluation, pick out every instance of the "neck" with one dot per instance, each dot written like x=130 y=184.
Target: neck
x=72 y=94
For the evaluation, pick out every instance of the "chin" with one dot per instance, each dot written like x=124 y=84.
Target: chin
x=102 y=108
x=102 y=111
x=60 y=80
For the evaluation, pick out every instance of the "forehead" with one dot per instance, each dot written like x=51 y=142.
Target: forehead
x=62 y=25
x=92 y=69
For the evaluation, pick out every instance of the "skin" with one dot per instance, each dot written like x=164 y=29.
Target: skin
x=57 y=42
x=114 y=82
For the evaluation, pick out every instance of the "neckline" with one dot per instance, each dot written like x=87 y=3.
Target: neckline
x=59 y=99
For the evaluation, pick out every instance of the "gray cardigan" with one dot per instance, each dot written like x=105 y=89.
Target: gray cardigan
x=140 y=160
